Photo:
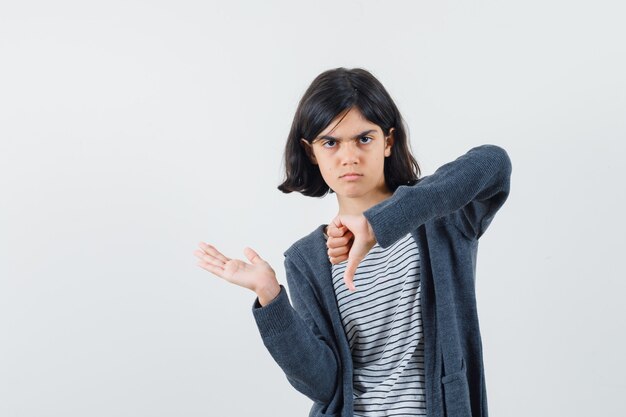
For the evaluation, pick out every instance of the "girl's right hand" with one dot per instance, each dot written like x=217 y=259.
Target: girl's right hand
x=257 y=275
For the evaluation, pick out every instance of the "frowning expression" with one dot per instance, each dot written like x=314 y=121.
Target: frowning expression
x=350 y=153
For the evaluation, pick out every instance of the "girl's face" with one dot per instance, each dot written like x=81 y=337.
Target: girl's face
x=352 y=144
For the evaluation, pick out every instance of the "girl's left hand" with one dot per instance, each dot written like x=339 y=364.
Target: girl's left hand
x=339 y=243
x=356 y=248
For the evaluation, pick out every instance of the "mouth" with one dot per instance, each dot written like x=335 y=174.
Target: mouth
x=351 y=175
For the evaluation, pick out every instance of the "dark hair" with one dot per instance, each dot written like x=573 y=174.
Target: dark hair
x=329 y=94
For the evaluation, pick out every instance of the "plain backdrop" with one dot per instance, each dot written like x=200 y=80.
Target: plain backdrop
x=132 y=130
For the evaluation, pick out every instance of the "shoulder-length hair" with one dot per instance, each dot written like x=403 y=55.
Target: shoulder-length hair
x=331 y=93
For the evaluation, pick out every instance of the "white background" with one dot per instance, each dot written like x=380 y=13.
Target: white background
x=132 y=130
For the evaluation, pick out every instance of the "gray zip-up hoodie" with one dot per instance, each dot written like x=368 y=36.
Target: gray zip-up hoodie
x=446 y=212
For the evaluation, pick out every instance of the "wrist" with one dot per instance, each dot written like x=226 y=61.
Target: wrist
x=267 y=293
x=370 y=232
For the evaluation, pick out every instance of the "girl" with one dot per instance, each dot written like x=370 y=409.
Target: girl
x=381 y=316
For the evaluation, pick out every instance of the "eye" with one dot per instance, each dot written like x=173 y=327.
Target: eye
x=327 y=142
x=367 y=138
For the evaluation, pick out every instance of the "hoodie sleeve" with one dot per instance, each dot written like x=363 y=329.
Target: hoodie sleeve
x=471 y=189
x=294 y=340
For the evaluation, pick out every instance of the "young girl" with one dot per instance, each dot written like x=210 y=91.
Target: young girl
x=381 y=316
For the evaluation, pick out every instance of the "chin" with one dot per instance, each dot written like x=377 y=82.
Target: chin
x=352 y=193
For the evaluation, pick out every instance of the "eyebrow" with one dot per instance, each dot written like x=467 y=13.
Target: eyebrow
x=328 y=137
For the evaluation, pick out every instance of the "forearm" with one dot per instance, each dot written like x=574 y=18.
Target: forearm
x=307 y=361
x=479 y=174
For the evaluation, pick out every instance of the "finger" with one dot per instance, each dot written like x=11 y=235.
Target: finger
x=252 y=256
x=334 y=231
x=337 y=259
x=331 y=242
x=337 y=222
x=334 y=252
x=212 y=250
x=216 y=270
x=212 y=260
x=337 y=242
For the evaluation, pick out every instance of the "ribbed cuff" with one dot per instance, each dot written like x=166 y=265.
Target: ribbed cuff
x=276 y=316
x=388 y=225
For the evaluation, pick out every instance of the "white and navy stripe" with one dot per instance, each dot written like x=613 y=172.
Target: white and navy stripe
x=383 y=322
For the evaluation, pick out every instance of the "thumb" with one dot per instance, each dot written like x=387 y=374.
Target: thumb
x=348 y=276
x=252 y=256
x=359 y=250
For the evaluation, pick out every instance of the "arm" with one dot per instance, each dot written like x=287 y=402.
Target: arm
x=471 y=188
x=294 y=341
x=290 y=335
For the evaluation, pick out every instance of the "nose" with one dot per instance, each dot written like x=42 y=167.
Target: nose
x=349 y=154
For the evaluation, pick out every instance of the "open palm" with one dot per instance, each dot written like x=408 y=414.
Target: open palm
x=254 y=275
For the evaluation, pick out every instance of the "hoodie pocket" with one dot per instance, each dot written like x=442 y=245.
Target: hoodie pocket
x=456 y=393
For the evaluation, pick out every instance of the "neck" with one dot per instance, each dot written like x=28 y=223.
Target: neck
x=357 y=205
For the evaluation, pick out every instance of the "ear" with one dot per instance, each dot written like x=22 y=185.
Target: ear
x=308 y=148
x=389 y=142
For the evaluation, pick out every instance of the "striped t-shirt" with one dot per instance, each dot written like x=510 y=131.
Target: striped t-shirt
x=383 y=323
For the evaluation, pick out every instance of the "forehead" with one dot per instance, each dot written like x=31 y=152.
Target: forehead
x=348 y=124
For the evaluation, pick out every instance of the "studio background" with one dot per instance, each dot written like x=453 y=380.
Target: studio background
x=132 y=130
